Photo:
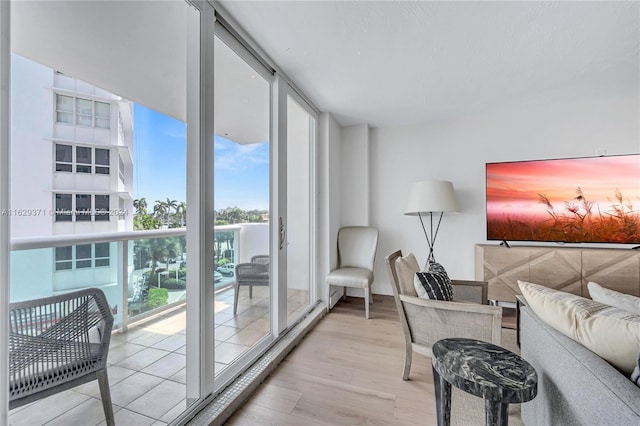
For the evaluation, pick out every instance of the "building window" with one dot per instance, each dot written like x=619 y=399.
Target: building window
x=103 y=114
x=102 y=208
x=82 y=112
x=64 y=109
x=102 y=161
x=64 y=158
x=64 y=208
x=83 y=207
x=64 y=258
x=102 y=254
x=83 y=159
x=87 y=159
x=121 y=169
x=82 y=211
x=82 y=256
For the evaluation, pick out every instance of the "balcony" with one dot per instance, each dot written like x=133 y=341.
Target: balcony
x=147 y=356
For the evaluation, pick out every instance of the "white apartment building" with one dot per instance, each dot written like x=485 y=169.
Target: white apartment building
x=72 y=174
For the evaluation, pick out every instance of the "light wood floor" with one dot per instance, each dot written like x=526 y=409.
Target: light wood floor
x=346 y=371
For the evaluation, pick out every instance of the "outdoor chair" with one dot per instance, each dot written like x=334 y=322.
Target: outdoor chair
x=356 y=253
x=426 y=321
x=254 y=273
x=57 y=343
x=263 y=259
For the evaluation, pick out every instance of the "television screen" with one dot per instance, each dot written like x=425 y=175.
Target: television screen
x=594 y=200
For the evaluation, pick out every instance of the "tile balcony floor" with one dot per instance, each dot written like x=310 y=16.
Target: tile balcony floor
x=147 y=373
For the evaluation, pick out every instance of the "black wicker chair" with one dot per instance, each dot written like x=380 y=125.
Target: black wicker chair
x=57 y=343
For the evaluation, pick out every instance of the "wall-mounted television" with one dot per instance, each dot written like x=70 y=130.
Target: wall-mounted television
x=570 y=200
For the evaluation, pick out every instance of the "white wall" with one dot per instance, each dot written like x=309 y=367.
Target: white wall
x=354 y=175
x=253 y=240
x=458 y=149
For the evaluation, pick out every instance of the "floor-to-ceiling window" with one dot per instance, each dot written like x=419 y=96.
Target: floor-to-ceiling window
x=119 y=160
x=242 y=200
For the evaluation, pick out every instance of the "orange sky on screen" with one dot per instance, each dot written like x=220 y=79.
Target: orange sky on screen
x=599 y=178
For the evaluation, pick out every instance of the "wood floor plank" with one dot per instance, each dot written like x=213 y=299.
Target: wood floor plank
x=348 y=371
x=276 y=398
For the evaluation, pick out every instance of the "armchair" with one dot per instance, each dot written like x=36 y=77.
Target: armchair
x=57 y=343
x=425 y=321
x=356 y=252
x=254 y=273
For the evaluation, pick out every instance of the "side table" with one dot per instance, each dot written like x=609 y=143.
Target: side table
x=491 y=372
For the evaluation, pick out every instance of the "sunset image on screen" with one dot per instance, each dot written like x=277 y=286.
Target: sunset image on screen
x=571 y=200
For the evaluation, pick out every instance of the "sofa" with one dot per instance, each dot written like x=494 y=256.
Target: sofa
x=575 y=386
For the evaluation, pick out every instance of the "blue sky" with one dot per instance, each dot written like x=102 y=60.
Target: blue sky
x=241 y=172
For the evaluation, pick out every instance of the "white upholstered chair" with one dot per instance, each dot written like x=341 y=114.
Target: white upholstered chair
x=426 y=321
x=356 y=253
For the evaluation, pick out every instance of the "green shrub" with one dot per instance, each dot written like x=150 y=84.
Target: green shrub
x=223 y=261
x=173 y=284
x=157 y=297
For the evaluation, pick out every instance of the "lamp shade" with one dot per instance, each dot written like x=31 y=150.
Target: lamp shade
x=431 y=196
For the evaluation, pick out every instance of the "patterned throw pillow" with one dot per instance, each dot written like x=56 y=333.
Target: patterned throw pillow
x=635 y=376
x=434 y=284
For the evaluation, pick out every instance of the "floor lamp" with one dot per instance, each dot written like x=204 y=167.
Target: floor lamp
x=429 y=197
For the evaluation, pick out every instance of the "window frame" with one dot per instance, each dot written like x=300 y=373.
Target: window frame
x=81 y=117
x=83 y=164
x=93 y=214
x=61 y=162
x=93 y=165
x=101 y=166
x=72 y=260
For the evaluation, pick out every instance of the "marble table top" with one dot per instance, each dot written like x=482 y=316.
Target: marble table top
x=485 y=370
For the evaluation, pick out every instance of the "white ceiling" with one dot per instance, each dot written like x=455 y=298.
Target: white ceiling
x=383 y=63
x=137 y=49
x=394 y=63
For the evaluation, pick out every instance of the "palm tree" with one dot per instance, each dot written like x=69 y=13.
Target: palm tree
x=159 y=210
x=170 y=205
x=182 y=210
x=140 y=205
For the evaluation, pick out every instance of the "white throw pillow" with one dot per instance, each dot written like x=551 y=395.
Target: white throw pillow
x=610 y=332
x=610 y=297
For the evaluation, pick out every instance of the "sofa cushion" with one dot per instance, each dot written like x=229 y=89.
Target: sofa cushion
x=434 y=284
x=610 y=332
x=613 y=298
x=406 y=268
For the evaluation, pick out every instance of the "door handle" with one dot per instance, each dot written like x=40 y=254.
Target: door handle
x=282 y=233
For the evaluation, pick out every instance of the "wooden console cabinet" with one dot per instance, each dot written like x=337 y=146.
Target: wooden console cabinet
x=566 y=269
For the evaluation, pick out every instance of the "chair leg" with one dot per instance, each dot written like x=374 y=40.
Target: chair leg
x=235 y=299
x=105 y=394
x=344 y=294
x=407 y=363
x=366 y=303
x=250 y=292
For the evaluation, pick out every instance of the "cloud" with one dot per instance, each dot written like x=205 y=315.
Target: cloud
x=229 y=155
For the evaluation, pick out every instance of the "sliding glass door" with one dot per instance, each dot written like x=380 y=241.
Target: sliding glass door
x=301 y=130
x=208 y=135
x=242 y=201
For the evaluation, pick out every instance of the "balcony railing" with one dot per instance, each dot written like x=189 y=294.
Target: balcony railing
x=141 y=272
